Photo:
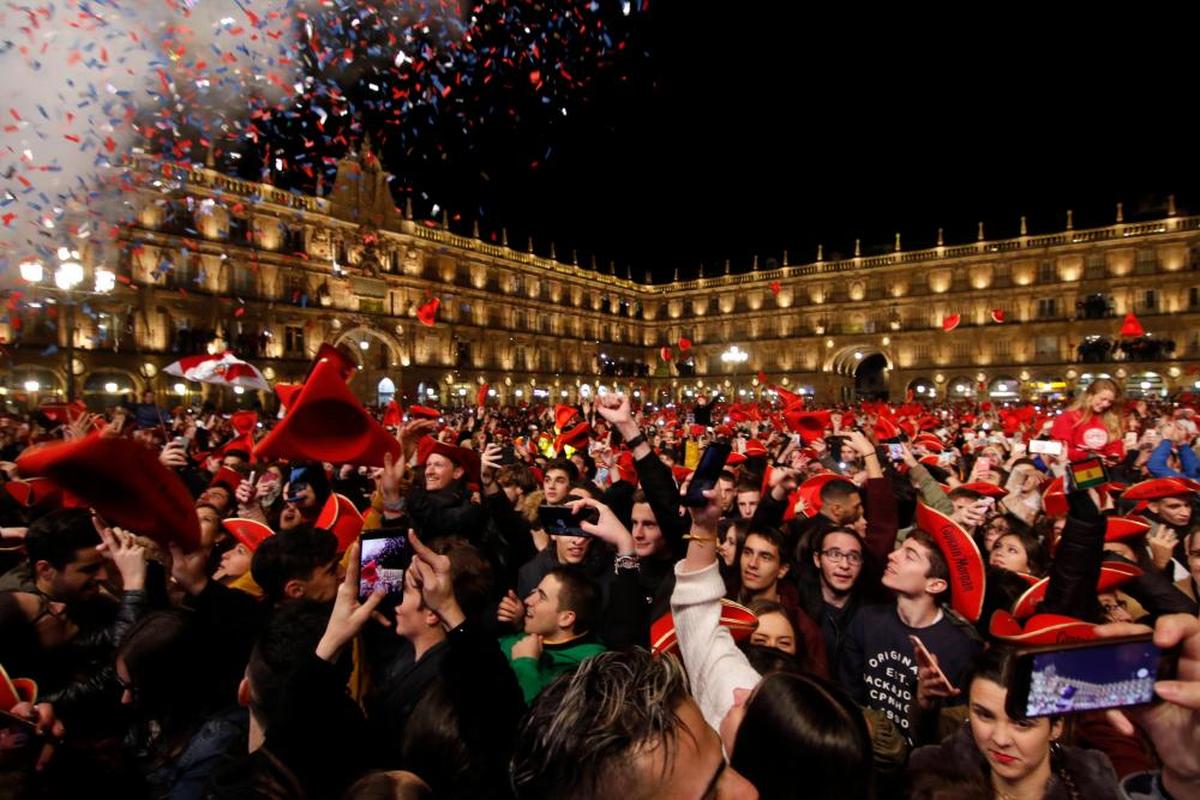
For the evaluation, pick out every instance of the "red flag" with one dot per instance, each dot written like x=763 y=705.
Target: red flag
x=427 y=313
x=951 y=322
x=685 y=343
x=665 y=353
x=775 y=287
x=997 y=315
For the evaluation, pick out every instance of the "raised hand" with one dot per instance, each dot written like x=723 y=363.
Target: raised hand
x=122 y=548
x=511 y=610
x=435 y=582
x=349 y=614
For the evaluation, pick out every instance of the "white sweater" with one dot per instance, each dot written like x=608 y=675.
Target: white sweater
x=714 y=664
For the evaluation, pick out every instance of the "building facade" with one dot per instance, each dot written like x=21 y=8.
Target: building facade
x=212 y=262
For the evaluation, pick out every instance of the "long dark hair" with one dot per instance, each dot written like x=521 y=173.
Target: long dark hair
x=802 y=737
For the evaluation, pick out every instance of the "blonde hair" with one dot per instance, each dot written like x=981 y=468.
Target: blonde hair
x=1110 y=418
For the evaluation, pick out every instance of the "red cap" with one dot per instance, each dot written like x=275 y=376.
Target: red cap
x=124 y=482
x=1158 y=488
x=984 y=488
x=755 y=449
x=244 y=424
x=423 y=412
x=427 y=313
x=1117 y=528
x=930 y=442
x=1040 y=629
x=326 y=422
x=340 y=516
x=563 y=416
x=950 y=322
x=962 y=557
x=740 y=621
x=1054 y=498
x=576 y=437
x=463 y=457
x=789 y=399
x=228 y=478
x=1112 y=575
x=33 y=492
x=249 y=532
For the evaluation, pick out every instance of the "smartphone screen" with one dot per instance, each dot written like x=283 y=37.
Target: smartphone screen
x=712 y=461
x=384 y=555
x=896 y=451
x=560 y=521
x=1097 y=676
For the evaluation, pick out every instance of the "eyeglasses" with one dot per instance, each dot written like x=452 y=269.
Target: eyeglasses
x=1111 y=607
x=851 y=557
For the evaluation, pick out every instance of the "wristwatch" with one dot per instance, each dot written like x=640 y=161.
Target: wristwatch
x=621 y=562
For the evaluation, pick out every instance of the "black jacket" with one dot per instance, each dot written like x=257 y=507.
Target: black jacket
x=446 y=512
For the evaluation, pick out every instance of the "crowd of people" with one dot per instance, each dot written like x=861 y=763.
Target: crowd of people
x=837 y=613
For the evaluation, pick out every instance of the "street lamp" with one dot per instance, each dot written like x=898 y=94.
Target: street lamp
x=67 y=277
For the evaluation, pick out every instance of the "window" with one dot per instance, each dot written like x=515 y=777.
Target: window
x=1002 y=346
x=293 y=339
x=1047 y=308
x=1095 y=266
x=962 y=351
x=242 y=278
x=1194 y=297
x=1150 y=300
x=1046 y=345
x=386 y=390
x=1147 y=262
x=1046 y=272
x=921 y=352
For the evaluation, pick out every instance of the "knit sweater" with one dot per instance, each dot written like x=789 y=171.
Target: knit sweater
x=714 y=664
x=535 y=674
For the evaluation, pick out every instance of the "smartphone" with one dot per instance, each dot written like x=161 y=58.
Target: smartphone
x=1087 y=676
x=1049 y=447
x=945 y=458
x=925 y=659
x=896 y=451
x=983 y=463
x=1086 y=474
x=561 y=521
x=1131 y=440
x=384 y=555
x=712 y=461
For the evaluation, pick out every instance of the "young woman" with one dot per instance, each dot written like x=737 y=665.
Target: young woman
x=1091 y=426
x=1016 y=759
x=1018 y=551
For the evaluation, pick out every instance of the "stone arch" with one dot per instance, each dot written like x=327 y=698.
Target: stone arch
x=843 y=360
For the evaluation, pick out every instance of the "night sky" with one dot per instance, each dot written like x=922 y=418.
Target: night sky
x=742 y=130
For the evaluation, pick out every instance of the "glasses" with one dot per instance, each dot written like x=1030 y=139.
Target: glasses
x=1111 y=607
x=851 y=557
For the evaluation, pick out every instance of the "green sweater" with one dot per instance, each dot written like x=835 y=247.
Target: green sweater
x=536 y=674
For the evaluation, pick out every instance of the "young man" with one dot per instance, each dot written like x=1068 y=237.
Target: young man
x=762 y=569
x=557 y=479
x=748 y=497
x=879 y=665
x=299 y=564
x=64 y=564
x=560 y=617
x=625 y=726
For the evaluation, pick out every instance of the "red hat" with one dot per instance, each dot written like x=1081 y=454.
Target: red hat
x=463 y=457
x=962 y=557
x=755 y=449
x=230 y=479
x=1054 y=498
x=1040 y=629
x=885 y=429
x=393 y=415
x=735 y=459
x=1158 y=488
x=1130 y=326
x=244 y=424
x=681 y=472
x=739 y=620
x=124 y=482
x=810 y=491
x=340 y=516
x=576 y=437
x=286 y=392
x=482 y=395
x=1117 y=527
x=789 y=399
x=249 y=532
x=326 y=422
x=930 y=442
x=423 y=412
x=810 y=425
x=950 y=322
x=563 y=416
x=1112 y=575
x=984 y=488
x=427 y=313
x=626 y=468
x=63 y=413
x=33 y=492
x=929 y=461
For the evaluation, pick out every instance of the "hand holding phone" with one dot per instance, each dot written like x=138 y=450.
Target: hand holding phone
x=384 y=555
x=564 y=521
x=932 y=683
x=705 y=476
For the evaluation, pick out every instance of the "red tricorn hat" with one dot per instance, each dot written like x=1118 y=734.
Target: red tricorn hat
x=810 y=491
x=33 y=492
x=228 y=478
x=755 y=449
x=984 y=488
x=341 y=517
x=1054 y=498
x=563 y=416
x=1158 y=488
x=393 y=415
x=124 y=482
x=1112 y=575
x=249 y=532
x=739 y=620
x=463 y=457
x=326 y=422
x=576 y=437
x=1117 y=527
x=1040 y=629
x=244 y=424
x=810 y=425
x=735 y=459
x=930 y=442
x=962 y=557
x=423 y=412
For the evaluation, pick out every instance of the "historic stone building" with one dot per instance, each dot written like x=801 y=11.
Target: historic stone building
x=213 y=262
